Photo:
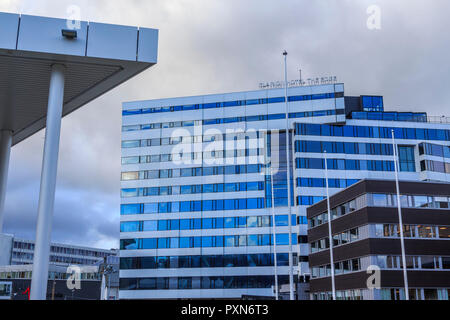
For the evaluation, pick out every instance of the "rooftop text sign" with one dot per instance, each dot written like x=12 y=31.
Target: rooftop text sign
x=298 y=82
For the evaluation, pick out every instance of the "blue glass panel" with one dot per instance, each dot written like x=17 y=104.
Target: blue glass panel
x=130 y=226
x=185 y=242
x=151 y=208
x=185 y=224
x=149 y=243
x=150 y=225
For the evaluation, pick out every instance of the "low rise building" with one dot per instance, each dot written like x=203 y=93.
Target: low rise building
x=366 y=242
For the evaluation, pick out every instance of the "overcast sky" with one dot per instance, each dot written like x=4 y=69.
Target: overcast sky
x=212 y=46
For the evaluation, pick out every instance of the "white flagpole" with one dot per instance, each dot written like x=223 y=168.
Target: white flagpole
x=330 y=234
x=296 y=208
x=400 y=220
x=288 y=172
x=275 y=261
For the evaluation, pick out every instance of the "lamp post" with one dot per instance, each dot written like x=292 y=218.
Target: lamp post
x=288 y=173
x=330 y=233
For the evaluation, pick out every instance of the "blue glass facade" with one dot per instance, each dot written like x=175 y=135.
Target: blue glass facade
x=206 y=223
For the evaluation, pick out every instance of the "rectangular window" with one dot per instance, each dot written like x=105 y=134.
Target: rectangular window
x=444 y=232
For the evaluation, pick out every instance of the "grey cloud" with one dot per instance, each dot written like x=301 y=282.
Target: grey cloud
x=209 y=46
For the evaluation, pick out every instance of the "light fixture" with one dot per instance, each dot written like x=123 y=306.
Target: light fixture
x=69 y=34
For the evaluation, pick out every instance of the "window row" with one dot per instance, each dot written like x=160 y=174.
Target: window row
x=205 y=261
x=206 y=241
x=218 y=282
x=180 y=157
x=434 y=150
x=372 y=103
x=343 y=209
x=413 y=262
x=390 y=116
x=348 y=164
x=344 y=147
x=192 y=172
x=388 y=294
x=307 y=200
x=320 y=183
x=353 y=294
x=192 y=206
x=190 y=123
x=25 y=245
x=435 y=166
x=27 y=257
x=338 y=239
x=51 y=275
x=188 y=139
x=412 y=231
x=206 y=223
x=236 y=103
x=310 y=129
x=381 y=200
x=408 y=201
x=341 y=267
x=192 y=189
x=415 y=294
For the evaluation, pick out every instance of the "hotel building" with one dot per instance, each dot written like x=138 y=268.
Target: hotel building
x=200 y=175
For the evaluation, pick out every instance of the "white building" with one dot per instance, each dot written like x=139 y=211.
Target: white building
x=197 y=190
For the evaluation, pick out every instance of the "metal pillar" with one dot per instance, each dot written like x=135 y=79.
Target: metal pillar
x=5 y=151
x=48 y=184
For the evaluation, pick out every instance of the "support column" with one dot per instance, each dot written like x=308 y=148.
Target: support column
x=5 y=151
x=48 y=184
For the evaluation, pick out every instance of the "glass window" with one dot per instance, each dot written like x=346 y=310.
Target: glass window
x=444 y=232
x=151 y=208
x=229 y=241
x=379 y=200
x=430 y=294
x=185 y=242
x=162 y=225
x=133 y=208
x=282 y=239
x=130 y=175
x=131 y=144
x=427 y=262
x=252 y=240
x=425 y=231
x=281 y=221
x=130 y=226
x=252 y=222
x=409 y=231
x=445 y=263
x=149 y=243
x=229 y=222
x=382 y=262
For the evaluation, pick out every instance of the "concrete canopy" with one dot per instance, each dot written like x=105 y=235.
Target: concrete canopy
x=101 y=57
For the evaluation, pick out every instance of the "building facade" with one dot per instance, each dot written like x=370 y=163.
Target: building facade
x=366 y=236
x=17 y=251
x=199 y=175
x=15 y=283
